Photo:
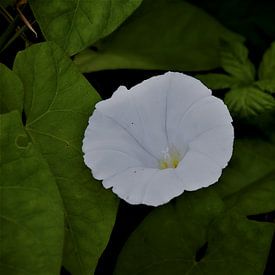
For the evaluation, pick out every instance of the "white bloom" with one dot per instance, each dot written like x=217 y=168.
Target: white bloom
x=166 y=135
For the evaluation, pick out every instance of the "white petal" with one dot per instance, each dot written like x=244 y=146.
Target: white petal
x=165 y=185
x=183 y=93
x=206 y=114
x=110 y=149
x=197 y=170
x=131 y=184
x=142 y=111
x=216 y=143
x=147 y=186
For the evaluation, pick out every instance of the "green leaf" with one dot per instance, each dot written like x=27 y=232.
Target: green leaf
x=164 y=34
x=267 y=66
x=234 y=60
x=168 y=240
x=76 y=24
x=248 y=101
x=11 y=93
x=266 y=85
x=31 y=213
x=217 y=81
x=58 y=103
x=248 y=182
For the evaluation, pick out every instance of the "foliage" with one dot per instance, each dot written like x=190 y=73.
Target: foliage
x=267 y=70
x=163 y=35
x=11 y=91
x=247 y=96
x=57 y=104
x=76 y=24
x=53 y=212
x=32 y=221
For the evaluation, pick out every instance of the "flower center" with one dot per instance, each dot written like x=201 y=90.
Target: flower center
x=171 y=158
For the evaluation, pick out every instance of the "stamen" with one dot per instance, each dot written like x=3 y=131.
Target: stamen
x=171 y=158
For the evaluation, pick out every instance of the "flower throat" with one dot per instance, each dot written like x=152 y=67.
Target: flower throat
x=171 y=158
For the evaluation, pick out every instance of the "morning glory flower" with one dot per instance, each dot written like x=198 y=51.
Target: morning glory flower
x=165 y=135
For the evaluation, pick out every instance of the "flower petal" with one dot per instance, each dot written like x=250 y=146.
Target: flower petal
x=147 y=186
x=110 y=149
x=197 y=170
x=131 y=184
x=215 y=143
x=206 y=114
x=183 y=93
x=142 y=111
x=165 y=185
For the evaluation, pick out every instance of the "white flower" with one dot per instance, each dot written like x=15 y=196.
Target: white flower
x=165 y=135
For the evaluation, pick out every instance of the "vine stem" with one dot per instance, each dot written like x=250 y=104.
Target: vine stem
x=4 y=38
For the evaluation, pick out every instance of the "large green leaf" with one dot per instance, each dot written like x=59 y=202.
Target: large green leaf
x=31 y=213
x=248 y=182
x=164 y=34
x=173 y=239
x=58 y=102
x=76 y=24
x=267 y=66
x=11 y=91
x=248 y=101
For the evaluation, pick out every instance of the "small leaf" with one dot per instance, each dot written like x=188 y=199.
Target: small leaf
x=217 y=81
x=58 y=103
x=11 y=93
x=266 y=85
x=267 y=66
x=31 y=213
x=248 y=101
x=161 y=34
x=234 y=60
x=76 y=24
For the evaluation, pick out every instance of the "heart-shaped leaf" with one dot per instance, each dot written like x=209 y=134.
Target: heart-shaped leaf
x=58 y=103
x=195 y=235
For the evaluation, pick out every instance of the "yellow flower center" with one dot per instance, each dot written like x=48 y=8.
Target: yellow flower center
x=171 y=159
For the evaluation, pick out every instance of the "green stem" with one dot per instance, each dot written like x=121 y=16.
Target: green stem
x=6 y=14
x=5 y=37
x=14 y=37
